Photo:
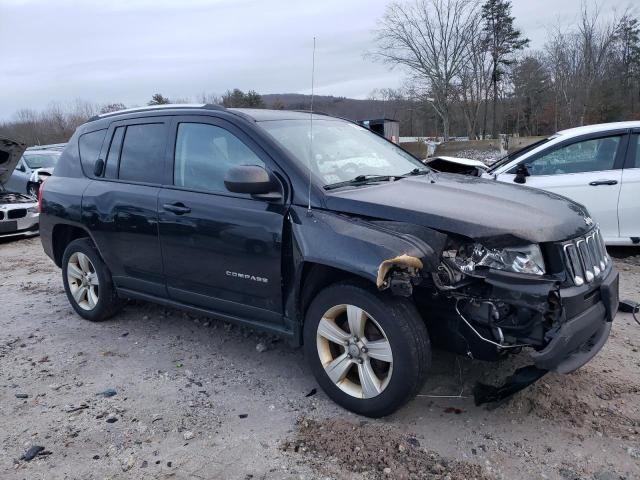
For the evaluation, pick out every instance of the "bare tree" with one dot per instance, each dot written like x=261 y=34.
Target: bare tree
x=475 y=78
x=430 y=38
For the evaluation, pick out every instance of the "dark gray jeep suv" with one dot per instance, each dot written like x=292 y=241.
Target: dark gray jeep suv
x=319 y=230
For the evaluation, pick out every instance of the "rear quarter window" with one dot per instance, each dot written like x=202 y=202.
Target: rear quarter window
x=89 y=146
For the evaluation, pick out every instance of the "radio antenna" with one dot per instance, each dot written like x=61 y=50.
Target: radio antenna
x=313 y=71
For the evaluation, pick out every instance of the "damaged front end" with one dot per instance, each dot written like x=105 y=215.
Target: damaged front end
x=529 y=297
x=481 y=300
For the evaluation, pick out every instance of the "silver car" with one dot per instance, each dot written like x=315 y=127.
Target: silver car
x=18 y=211
x=36 y=164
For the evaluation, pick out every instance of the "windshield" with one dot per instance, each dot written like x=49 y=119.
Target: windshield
x=41 y=160
x=342 y=151
x=518 y=153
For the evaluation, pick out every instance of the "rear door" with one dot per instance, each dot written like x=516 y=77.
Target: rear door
x=222 y=250
x=121 y=205
x=586 y=170
x=629 y=204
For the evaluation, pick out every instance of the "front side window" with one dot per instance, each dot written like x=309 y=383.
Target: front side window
x=339 y=151
x=593 y=155
x=204 y=154
x=142 y=154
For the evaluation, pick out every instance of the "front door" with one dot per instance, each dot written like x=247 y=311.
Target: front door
x=221 y=251
x=586 y=171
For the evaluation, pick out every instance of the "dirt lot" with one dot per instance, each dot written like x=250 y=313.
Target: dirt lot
x=198 y=398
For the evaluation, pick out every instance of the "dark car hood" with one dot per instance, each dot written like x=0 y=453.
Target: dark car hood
x=491 y=212
x=10 y=153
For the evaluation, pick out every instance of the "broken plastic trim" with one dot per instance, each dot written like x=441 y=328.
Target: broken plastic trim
x=404 y=260
x=521 y=379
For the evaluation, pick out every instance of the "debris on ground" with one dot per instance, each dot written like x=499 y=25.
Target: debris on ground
x=377 y=450
x=32 y=453
x=109 y=392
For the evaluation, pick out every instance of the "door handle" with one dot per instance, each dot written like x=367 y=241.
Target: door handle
x=603 y=182
x=177 y=208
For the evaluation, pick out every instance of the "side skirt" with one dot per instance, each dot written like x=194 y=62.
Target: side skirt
x=289 y=335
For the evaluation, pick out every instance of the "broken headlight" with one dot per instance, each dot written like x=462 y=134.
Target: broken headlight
x=472 y=257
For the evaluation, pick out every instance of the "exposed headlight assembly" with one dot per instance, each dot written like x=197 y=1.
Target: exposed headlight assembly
x=473 y=257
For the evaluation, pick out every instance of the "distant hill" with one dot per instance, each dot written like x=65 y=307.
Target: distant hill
x=350 y=108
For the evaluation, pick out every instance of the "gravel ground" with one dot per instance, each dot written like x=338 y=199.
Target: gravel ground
x=198 y=398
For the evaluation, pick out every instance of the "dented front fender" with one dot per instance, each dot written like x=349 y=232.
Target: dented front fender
x=369 y=249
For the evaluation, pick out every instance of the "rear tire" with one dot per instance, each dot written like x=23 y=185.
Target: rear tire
x=87 y=282
x=369 y=352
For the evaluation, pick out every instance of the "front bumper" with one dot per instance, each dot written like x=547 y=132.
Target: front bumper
x=27 y=225
x=580 y=336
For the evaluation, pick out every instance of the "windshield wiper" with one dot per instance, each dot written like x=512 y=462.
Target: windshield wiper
x=417 y=171
x=362 y=180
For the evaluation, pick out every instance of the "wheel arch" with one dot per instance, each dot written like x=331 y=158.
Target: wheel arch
x=62 y=235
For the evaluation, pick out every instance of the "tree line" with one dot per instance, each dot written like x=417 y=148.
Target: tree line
x=470 y=73
x=467 y=61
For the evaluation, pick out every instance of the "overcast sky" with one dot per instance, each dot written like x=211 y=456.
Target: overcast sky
x=126 y=50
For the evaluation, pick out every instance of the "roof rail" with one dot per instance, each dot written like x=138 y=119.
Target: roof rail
x=207 y=106
x=51 y=146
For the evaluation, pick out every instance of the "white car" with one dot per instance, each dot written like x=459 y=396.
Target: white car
x=596 y=165
x=18 y=211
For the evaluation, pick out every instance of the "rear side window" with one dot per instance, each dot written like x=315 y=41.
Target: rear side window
x=89 y=145
x=113 y=157
x=142 y=154
x=636 y=164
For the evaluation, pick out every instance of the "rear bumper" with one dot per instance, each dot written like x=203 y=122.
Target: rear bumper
x=579 y=338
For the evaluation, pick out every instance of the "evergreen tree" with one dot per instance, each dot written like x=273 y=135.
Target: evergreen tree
x=502 y=39
x=159 y=99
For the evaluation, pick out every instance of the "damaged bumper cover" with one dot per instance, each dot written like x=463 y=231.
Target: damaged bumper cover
x=576 y=320
x=579 y=338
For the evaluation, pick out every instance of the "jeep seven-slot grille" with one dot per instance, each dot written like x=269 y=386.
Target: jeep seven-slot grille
x=586 y=257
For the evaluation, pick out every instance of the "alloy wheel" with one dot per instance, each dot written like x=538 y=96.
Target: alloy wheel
x=83 y=281
x=354 y=351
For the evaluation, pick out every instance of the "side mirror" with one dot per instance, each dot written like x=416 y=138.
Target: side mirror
x=251 y=179
x=21 y=167
x=98 y=167
x=522 y=172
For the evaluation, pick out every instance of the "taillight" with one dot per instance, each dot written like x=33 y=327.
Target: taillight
x=40 y=192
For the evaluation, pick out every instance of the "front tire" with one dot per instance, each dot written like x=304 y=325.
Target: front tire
x=369 y=352
x=87 y=282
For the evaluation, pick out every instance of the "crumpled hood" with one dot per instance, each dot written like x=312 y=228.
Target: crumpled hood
x=10 y=153
x=494 y=213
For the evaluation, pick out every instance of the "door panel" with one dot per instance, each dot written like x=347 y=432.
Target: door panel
x=629 y=206
x=124 y=221
x=587 y=170
x=18 y=180
x=222 y=251
x=601 y=200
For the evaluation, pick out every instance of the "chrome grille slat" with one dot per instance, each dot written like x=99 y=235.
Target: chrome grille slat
x=586 y=257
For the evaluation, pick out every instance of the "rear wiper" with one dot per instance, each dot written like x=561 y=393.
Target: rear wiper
x=361 y=180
